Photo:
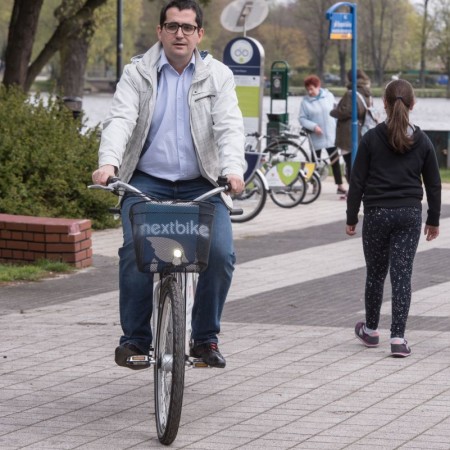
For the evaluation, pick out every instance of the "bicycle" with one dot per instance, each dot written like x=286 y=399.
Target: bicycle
x=175 y=251
x=283 y=170
x=274 y=171
x=290 y=150
x=323 y=164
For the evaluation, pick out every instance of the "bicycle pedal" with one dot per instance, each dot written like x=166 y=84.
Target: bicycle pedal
x=197 y=363
x=140 y=360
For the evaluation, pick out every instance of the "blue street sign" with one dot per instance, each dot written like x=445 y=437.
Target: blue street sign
x=341 y=26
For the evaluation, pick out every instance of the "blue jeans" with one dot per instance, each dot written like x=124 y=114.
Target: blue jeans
x=136 y=288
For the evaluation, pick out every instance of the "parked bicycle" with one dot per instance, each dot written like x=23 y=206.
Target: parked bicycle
x=323 y=160
x=283 y=171
x=292 y=150
x=171 y=240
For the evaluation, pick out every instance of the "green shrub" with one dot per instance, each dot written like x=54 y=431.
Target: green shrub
x=46 y=162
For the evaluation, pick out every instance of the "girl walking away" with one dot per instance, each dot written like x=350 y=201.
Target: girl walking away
x=392 y=161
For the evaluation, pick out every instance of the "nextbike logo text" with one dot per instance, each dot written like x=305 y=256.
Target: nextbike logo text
x=174 y=228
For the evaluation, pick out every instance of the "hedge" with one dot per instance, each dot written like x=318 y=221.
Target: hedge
x=46 y=161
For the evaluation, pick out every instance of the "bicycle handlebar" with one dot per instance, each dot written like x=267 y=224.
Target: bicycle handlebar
x=115 y=185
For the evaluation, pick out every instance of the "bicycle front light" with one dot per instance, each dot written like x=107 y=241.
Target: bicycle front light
x=177 y=254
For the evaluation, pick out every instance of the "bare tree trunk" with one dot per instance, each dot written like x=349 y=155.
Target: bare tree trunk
x=342 y=56
x=22 y=31
x=73 y=65
x=423 y=44
x=74 y=50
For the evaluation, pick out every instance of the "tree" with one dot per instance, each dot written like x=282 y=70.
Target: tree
x=74 y=50
x=22 y=31
x=381 y=25
x=423 y=43
x=443 y=29
x=311 y=18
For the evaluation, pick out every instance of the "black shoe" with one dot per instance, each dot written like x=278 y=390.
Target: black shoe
x=400 y=350
x=209 y=352
x=126 y=350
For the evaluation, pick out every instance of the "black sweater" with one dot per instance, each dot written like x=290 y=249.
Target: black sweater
x=380 y=177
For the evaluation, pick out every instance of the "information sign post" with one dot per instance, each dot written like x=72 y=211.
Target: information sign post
x=343 y=26
x=245 y=57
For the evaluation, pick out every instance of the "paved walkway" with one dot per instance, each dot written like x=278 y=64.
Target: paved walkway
x=295 y=376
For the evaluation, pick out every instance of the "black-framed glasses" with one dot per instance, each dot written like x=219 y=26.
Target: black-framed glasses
x=186 y=28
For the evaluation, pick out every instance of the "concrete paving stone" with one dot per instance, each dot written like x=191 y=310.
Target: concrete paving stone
x=18 y=440
x=318 y=446
x=350 y=430
x=337 y=440
x=421 y=445
x=428 y=437
x=405 y=433
x=200 y=445
x=60 y=443
x=266 y=445
x=378 y=444
x=388 y=446
x=239 y=432
x=203 y=428
x=302 y=434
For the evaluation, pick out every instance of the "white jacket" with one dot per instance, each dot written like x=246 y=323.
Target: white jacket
x=215 y=118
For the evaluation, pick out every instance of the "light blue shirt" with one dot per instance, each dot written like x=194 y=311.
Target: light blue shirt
x=169 y=150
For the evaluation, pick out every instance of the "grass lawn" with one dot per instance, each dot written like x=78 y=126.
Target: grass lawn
x=445 y=175
x=32 y=272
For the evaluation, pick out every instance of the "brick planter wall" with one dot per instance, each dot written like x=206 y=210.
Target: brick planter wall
x=29 y=238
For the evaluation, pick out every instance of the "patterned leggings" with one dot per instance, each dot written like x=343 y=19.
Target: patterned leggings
x=390 y=238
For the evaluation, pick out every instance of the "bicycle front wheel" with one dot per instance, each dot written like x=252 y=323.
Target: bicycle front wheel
x=170 y=361
x=313 y=189
x=251 y=200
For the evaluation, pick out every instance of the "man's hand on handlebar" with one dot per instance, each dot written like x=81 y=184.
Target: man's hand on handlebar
x=103 y=173
x=236 y=182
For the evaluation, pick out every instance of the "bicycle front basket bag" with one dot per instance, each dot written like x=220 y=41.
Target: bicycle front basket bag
x=172 y=236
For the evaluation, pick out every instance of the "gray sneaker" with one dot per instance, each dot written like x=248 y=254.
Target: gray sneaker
x=366 y=339
x=400 y=350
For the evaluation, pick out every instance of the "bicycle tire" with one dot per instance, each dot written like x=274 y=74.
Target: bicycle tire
x=251 y=200
x=292 y=194
x=170 y=361
x=313 y=189
x=285 y=148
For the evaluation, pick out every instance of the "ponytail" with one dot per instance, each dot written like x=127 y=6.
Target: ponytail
x=399 y=99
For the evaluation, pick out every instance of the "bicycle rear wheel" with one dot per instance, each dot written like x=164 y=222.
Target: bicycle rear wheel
x=251 y=200
x=313 y=189
x=170 y=361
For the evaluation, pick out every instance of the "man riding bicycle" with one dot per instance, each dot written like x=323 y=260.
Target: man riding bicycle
x=174 y=127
